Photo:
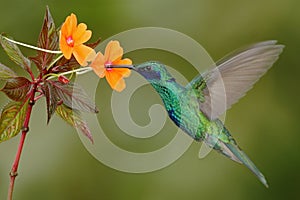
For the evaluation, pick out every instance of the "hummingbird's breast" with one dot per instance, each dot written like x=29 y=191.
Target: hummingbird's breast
x=184 y=111
x=192 y=120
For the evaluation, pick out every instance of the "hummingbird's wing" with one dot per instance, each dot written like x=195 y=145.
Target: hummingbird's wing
x=235 y=74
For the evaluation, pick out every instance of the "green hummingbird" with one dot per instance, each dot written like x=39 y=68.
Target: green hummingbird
x=196 y=107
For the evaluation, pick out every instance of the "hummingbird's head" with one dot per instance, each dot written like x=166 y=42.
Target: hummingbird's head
x=153 y=71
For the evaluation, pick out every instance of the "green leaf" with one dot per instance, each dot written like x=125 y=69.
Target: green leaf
x=48 y=39
x=6 y=73
x=14 y=53
x=11 y=119
x=73 y=118
x=52 y=99
x=74 y=96
x=17 y=88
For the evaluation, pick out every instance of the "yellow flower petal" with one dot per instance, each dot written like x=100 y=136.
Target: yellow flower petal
x=91 y=56
x=113 y=51
x=98 y=65
x=65 y=48
x=124 y=72
x=64 y=31
x=80 y=29
x=120 y=86
x=81 y=35
x=73 y=23
x=115 y=80
x=69 y=25
x=81 y=54
x=125 y=61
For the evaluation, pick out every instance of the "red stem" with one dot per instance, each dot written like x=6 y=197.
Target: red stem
x=13 y=173
x=31 y=74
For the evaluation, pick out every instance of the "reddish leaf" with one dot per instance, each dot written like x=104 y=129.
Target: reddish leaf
x=73 y=96
x=11 y=119
x=51 y=99
x=14 y=53
x=64 y=65
x=17 y=88
x=48 y=39
x=94 y=44
x=73 y=118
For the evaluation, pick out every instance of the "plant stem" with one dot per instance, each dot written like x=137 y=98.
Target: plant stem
x=77 y=71
x=13 y=173
x=57 y=59
x=33 y=47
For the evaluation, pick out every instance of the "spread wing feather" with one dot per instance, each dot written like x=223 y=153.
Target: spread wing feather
x=233 y=76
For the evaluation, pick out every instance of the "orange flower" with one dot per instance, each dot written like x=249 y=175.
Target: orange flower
x=112 y=56
x=72 y=38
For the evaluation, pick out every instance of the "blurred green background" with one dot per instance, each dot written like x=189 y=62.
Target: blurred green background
x=55 y=164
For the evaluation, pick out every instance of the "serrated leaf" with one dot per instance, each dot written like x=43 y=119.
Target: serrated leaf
x=73 y=118
x=6 y=73
x=14 y=53
x=52 y=99
x=64 y=65
x=74 y=96
x=94 y=44
x=11 y=119
x=48 y=39
x=17 y=88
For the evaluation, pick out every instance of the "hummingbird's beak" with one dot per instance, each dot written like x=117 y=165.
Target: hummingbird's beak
x=120 y=66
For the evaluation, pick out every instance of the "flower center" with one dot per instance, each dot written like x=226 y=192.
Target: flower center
x=70 y=41
x=107 y=63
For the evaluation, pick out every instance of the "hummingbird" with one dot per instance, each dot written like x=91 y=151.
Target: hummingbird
x=197 y=107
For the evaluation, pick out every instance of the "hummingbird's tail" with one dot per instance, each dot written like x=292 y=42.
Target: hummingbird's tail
x=232 y=151
x=243 y=158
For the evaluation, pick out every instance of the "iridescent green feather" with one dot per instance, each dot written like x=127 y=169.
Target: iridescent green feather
x=196 y=107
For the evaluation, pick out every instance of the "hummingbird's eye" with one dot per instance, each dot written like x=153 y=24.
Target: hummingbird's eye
x=148 y=68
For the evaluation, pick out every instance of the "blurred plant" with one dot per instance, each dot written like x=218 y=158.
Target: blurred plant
x=53 y=81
